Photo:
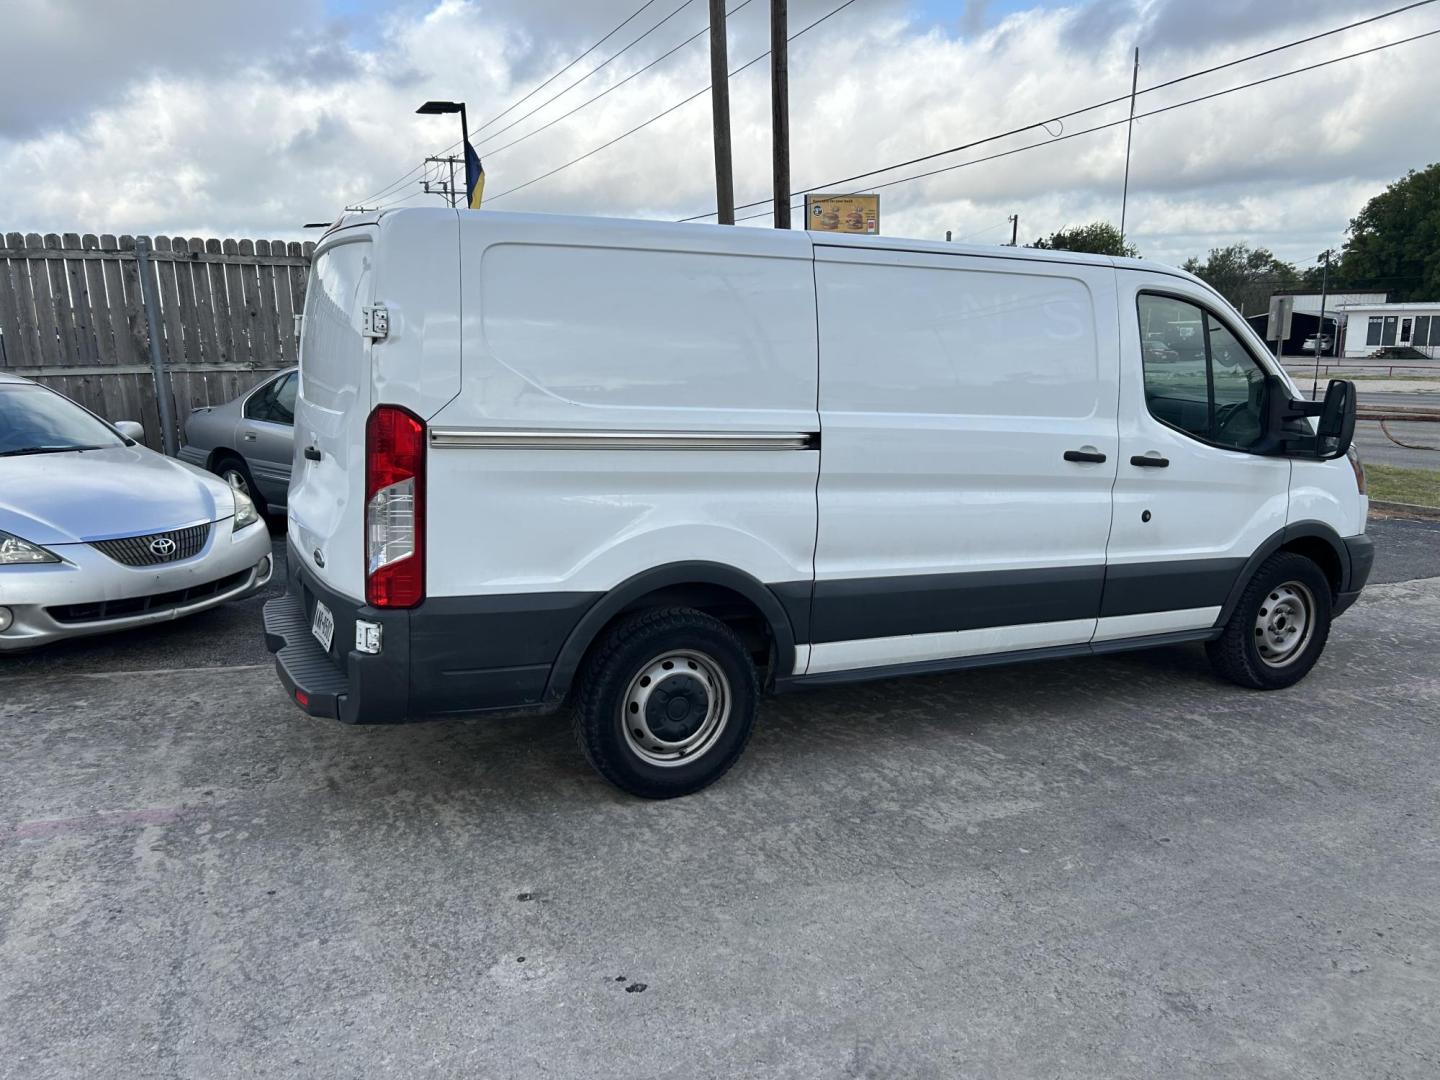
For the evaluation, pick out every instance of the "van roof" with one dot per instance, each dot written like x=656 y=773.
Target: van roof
x=593 y=228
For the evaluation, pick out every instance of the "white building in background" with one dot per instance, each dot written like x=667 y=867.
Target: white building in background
x=1371 y=327
x=1335 y=302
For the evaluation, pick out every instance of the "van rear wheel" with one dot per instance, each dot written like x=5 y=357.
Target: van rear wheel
x=1278 y=629
x=667 y=702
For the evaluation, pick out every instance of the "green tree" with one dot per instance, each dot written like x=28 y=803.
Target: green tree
x=1245 y=276
x=1098 y=238
x=1394 y=242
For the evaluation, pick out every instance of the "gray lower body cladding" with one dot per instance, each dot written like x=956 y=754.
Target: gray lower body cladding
x=499 y=653
x=448 y=655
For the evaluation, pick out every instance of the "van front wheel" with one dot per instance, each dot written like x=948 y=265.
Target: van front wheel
x=667 y=702
x=1278 y=629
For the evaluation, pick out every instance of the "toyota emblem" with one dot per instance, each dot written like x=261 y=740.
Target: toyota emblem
x=162 y=547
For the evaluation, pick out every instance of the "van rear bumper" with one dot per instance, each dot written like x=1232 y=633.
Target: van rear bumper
x=342 y=684
x=449 y=655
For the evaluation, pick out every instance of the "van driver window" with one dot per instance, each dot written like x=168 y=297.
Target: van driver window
x=1198 y=377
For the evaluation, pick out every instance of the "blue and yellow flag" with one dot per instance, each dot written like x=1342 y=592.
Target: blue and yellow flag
x=474 y=177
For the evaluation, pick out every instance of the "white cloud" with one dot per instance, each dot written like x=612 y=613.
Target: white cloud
x=295 y=121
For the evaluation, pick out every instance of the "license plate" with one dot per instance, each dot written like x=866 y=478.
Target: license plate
x=324 y=625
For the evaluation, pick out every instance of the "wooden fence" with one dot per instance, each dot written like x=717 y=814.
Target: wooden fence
x=73 y=315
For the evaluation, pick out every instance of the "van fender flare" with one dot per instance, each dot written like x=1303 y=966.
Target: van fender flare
x=1274 y=542
x=572 y=652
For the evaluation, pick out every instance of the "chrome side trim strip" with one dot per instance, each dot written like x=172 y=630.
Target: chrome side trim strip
x=459 y=438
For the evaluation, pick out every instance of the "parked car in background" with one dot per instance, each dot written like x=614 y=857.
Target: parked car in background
x=99 y=533
x=248 y=442
x=1156 y=348
x=1325 y=343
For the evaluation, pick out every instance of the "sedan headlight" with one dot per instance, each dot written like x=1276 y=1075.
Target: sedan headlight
x=245 y=512
x=14 y=551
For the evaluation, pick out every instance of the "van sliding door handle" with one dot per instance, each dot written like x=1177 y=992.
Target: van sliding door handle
x=312 y=453
x=1144 y=461
x=1084 y=455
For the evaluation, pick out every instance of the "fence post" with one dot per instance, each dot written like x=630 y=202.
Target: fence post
x=150 y=297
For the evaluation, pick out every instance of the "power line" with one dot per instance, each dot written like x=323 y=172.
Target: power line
x=667 y=112
x=1077 y=112
x=555 y=97
x=982 y=232
x=1117 y=123
x=520 y=101
x=664 y=56
x=629 y=19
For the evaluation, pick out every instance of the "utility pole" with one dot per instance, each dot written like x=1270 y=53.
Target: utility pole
x=1320 y=329
x=720 y=113
x=1014 y=230
x=1129 y=136
x=447 y=191
x=780 y=109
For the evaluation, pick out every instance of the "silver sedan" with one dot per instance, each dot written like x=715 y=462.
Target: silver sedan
x=99 y=534
x=249 y=441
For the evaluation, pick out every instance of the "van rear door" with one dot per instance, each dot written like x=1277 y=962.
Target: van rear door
x=326 y=511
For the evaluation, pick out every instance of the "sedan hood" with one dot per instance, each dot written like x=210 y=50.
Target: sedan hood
x=77 y=497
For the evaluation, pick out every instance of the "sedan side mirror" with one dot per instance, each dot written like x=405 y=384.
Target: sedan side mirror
x=131 y=430
x=1335 y=425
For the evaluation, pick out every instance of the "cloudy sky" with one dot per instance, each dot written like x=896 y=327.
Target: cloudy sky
x=202 y=117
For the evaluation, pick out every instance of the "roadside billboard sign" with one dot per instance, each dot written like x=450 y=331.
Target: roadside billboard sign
x=843 y=213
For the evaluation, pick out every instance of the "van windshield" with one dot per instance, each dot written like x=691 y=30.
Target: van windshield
x=33 y=420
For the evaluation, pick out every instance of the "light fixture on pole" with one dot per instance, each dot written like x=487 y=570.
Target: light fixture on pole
x=474 y=171
x=1323 y=257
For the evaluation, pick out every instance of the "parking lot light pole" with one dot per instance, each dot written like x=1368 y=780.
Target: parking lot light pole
x=150 y=300
x=1320 y=329
x=437 y=108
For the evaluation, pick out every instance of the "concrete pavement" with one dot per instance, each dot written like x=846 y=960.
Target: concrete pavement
x=1101 y=868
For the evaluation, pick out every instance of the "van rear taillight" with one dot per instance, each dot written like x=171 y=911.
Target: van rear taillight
x=394 y=508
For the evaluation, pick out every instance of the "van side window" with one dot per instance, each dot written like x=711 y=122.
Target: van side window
x=1198 y=377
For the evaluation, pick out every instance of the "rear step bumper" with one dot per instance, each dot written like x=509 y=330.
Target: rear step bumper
x=310 y=677
x=342 y=684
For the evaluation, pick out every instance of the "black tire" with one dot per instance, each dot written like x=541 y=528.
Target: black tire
x=1247 y=653
x=710 y=675
x=227 y=463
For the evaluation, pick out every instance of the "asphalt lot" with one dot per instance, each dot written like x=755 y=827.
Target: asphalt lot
x=1112 y=867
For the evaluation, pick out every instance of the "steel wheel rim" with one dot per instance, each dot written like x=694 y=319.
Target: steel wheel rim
x=235 y=479
x=1284 y=624
x=675 y=708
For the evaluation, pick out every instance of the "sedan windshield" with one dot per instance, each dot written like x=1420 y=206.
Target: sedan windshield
x=34 y=420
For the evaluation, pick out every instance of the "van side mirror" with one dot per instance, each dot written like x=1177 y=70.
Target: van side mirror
x=1334 y=428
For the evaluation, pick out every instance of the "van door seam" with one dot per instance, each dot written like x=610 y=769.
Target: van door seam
x=819 y=460
x=1119 y=441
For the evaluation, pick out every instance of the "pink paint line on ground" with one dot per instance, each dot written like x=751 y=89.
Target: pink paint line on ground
x=32 y=830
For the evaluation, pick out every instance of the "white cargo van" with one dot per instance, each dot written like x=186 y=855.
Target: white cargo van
x=654 y=470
